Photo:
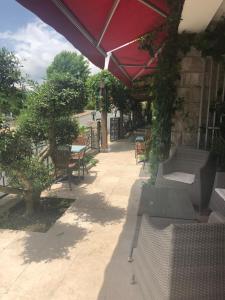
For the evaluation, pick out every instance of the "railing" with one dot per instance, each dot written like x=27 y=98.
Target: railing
x=3 y=182
x=93 y=137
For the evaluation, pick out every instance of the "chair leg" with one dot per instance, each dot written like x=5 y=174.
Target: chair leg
x=83 y=167
x=69 y=174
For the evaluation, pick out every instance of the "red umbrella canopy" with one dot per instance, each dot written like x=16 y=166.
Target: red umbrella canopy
x=101 y=28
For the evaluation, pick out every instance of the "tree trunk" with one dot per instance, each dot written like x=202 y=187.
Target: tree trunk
x=121 y=133
x=32 y=201
x=104 y=130
x=52 y=144
x=31 y=197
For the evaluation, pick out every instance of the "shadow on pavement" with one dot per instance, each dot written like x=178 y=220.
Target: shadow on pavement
x=95 y=209
x=118 y=274
x=54 y=244
x=62 y=236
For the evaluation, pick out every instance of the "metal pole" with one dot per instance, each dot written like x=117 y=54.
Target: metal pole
x=99 y=135
x=209 y=101
x=109 y=18
x=201 y=103
x=216 y=93
x=104 y=128
x=223 y=88
x=92 y=138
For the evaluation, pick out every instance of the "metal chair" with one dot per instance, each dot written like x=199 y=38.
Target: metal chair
x=63 y=162
x=82 y=140
x=79 y=159
x=140 y=149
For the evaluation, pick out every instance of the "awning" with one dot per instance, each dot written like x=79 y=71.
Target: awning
x=101 y=28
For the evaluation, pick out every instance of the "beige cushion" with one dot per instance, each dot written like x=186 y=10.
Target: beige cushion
x=216 y=217
x=181 y=177
x=220 y=192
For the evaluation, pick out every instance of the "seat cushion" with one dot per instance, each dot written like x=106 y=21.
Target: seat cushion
x=181 y=177
x=216 y=217
x=220 y=192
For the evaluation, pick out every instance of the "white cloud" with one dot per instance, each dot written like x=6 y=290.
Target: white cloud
x=36 y=44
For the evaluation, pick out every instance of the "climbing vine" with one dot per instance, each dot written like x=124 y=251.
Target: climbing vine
x=163 y=86
x=163 y=83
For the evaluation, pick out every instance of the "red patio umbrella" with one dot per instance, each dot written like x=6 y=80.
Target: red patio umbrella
x=107 y=27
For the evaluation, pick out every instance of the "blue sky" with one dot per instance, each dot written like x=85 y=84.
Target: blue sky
x=34 y=42
x=13 y=15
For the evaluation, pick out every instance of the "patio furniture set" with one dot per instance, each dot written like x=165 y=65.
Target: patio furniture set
x=142 y=142
x=178 y=251
x=71 y=158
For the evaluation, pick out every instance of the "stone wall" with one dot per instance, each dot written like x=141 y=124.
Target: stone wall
x=186 y=120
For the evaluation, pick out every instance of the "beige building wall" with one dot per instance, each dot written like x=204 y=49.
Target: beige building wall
x=186 y=119
x=201 y=85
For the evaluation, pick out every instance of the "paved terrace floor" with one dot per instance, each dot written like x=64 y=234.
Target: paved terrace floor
x=84 y=255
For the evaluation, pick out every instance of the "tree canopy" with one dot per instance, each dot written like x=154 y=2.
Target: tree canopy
x=70 y=63
x=115 y=93
x=47 y=117
x=71 y=70
x=11 y=88
x=49 y=109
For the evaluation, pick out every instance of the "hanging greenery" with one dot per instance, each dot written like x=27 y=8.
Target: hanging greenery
x=114 y=94
x=163 y=83
x=163 y=86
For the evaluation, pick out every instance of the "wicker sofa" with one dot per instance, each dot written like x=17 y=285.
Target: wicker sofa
x=190 y=169
x=177 y=258
x=164 y=203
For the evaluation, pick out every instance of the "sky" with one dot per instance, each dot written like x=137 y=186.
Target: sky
x=29 y=38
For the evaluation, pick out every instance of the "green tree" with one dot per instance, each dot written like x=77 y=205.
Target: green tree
x=12 y=92
x=27 y=175
x=75 y=68
x=70 y=63
x=49 y=110
x=47 y=116
x=115 y=93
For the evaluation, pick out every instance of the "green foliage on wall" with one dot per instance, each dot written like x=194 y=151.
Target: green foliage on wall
x=163 y=84
x=163 y=87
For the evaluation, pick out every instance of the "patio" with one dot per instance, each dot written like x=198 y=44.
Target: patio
x=176 y=256
x=77 y=257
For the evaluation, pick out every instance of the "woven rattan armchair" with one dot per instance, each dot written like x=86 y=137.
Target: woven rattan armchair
x=217 y=201
x=179 y=260
x=162 y=203
x=189 y=169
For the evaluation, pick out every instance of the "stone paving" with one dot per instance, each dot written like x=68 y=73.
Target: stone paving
x=84 y=255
